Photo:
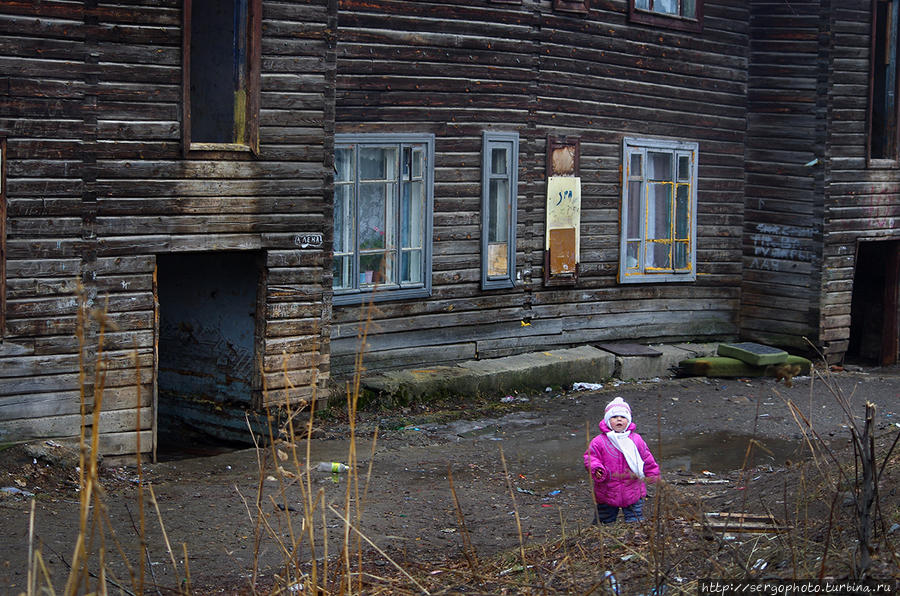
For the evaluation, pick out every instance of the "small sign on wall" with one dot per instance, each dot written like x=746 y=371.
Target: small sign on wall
x=309 y=240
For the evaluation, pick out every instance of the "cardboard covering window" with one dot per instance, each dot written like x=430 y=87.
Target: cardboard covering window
x=563 y=222
x=562 y=244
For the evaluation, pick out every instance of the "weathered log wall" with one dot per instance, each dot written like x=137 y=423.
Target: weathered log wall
x=98 y=186
x=785 y=176
x=862 y=200
x=812 y=194
x=456 y=68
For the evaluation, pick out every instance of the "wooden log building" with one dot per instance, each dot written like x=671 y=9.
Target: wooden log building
x=222 y=205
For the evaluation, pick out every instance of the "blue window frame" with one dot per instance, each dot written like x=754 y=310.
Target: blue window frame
x=499 y=187
x=659 y=206
x=383 y=206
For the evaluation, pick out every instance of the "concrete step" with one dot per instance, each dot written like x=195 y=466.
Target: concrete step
x=530 y=372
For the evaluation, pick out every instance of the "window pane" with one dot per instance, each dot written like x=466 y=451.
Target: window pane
x=681 y=255
x=682 y=211
x=499 y=161
x=412 y=215
x=634 y=209
x=659 y=211
x=377 y=163
x=644 y=4
x=373 y=201
x=411 y=266
x=343 y=164
x=342 y=273
x=684 y=167
x=632 y=257
x=374 y=269
x=498 y=211
x=659 y=166
x=635 y=169
x=343 y=218
x=689 y=9
x=418 y=162
x=658 y=255
x=665 y=6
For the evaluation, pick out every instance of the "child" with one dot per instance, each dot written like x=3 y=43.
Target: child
x=619 y=462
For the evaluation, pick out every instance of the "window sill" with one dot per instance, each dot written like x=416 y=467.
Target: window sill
x=883 y=164
x=378 y=295
x=649 y=278
x=220 y=147
x=498 y=284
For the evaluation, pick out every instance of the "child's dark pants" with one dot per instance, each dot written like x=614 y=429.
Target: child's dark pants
x=607 y=514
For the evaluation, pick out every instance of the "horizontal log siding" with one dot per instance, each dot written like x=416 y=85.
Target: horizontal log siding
x=782 y=221
x=455 y=68
x=98 y=186
x=43 y=117
x=862 y=202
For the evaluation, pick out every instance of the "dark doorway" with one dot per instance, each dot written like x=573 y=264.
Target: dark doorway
x=874 y=329
x=207 y=331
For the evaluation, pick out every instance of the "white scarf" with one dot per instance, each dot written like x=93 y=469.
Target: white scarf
x=622 y=441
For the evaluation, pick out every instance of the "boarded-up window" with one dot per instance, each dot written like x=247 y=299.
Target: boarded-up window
x=659 y=206
x=499 y=187
x=383 y=202
x=884 y=85
x=221 y=75
x=686 y=15
x=2 y=237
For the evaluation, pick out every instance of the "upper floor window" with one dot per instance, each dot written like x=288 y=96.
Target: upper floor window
x=499 y=187
x=383 y=205
x=659 y=203
x=686 y=15
x=221 y=50
x=883 y=129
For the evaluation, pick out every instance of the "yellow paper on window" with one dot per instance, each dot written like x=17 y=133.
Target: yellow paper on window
x=497 y=259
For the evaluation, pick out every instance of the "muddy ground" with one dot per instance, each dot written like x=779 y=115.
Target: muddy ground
x=698 y=429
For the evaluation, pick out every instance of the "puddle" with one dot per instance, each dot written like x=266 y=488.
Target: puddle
x=723 y=451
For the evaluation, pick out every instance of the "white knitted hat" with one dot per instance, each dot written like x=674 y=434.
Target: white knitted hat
x=617 y=407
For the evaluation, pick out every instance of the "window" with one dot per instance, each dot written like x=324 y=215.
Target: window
x=221 y=50
x=883 y=93
x=686 y=15
x=383 y=197
x=499 y=187
x=659 y=200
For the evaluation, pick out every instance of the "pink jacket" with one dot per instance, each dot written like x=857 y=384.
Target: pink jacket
x=619 y=486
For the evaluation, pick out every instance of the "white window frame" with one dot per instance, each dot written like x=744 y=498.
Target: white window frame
x=358 y=294
x=639 y=271
x=510 y=141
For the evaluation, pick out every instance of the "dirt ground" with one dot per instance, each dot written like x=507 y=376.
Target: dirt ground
x=514 y=458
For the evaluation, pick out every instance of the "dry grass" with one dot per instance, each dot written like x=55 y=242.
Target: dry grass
x=814 y=535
